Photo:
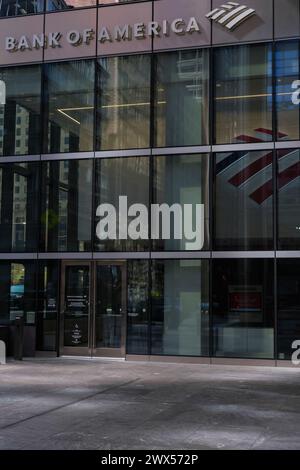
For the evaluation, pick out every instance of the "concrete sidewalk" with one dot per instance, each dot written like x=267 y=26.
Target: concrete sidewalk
x=92 y=404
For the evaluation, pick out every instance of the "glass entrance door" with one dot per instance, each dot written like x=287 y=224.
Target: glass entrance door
x=93 y=306
x=75 y=308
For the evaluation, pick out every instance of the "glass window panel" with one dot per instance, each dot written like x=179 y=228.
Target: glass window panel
x=123 y=110
x=288 y=186
x=67 y=205
x=137 y=307
x=182 y=179
x=288 y=286
x=117 y=177
x=180 y=306
x=69 y=106
x=182 y=98
x=109 y=2
x=243 y=308
x=243 y=94
x=287 y=72
x=17 y=291
x=21 y=7
x=46 y=322
x=108 y=311
x=5 y=297
x=18 y=207
x=244 y=200
x=54 y=5
x=20 y=128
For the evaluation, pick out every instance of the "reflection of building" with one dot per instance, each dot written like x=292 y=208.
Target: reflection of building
x=20 y=7
x=208 y=121
x=53 y=5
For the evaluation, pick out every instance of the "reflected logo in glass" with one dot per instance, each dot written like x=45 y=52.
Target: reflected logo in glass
x=231 y=15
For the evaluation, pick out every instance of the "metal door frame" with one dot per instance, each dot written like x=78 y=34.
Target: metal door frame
x=91 y=350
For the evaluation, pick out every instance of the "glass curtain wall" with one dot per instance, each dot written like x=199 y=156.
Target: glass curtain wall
x=243 y=308
x=29 y=7
x=180 y=308
x=288 y=287
x=69 y=106
x=180 y=180
x=123 y=102
x=243 y=209
x=20 y=110
x=56 y=5
x=129 y=178
x=66 y=205
x=48 y=306
x=17 y=291
x=21 y=7
x=181 y=100
x=138 y=308
x=288 y=183
x=287 y=90
x=243 y=94
x=19 y=186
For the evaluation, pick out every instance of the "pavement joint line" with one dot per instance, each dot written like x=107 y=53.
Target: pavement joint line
x=108 y=389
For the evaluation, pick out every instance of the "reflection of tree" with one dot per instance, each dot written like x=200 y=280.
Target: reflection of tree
x=17 y=274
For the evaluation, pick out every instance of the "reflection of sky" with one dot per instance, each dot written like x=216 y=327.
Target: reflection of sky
x=80 y=3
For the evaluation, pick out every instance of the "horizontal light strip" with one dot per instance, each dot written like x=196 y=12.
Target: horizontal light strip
x=110 y=106
x=262 y=95
x=128 y=105
x=123 y=105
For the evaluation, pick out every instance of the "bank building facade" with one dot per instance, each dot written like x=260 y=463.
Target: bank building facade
x=165 y=102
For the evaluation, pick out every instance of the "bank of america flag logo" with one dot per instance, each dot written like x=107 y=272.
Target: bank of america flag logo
x=255 y=177
x=231 y=15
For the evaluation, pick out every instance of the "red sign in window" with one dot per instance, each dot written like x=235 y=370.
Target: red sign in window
x=245 y=301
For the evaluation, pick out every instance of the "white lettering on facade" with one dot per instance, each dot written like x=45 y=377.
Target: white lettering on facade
x=38 y=41
x=193 y=26
x=118 y=33
x=177 y=26
x=153 y=28
x=74 y=38
x=23 y=43
x=123 y=33
x=10 y=44
x=104 y=35
x=53 y=39
x=88 y=35
x=139 y=31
